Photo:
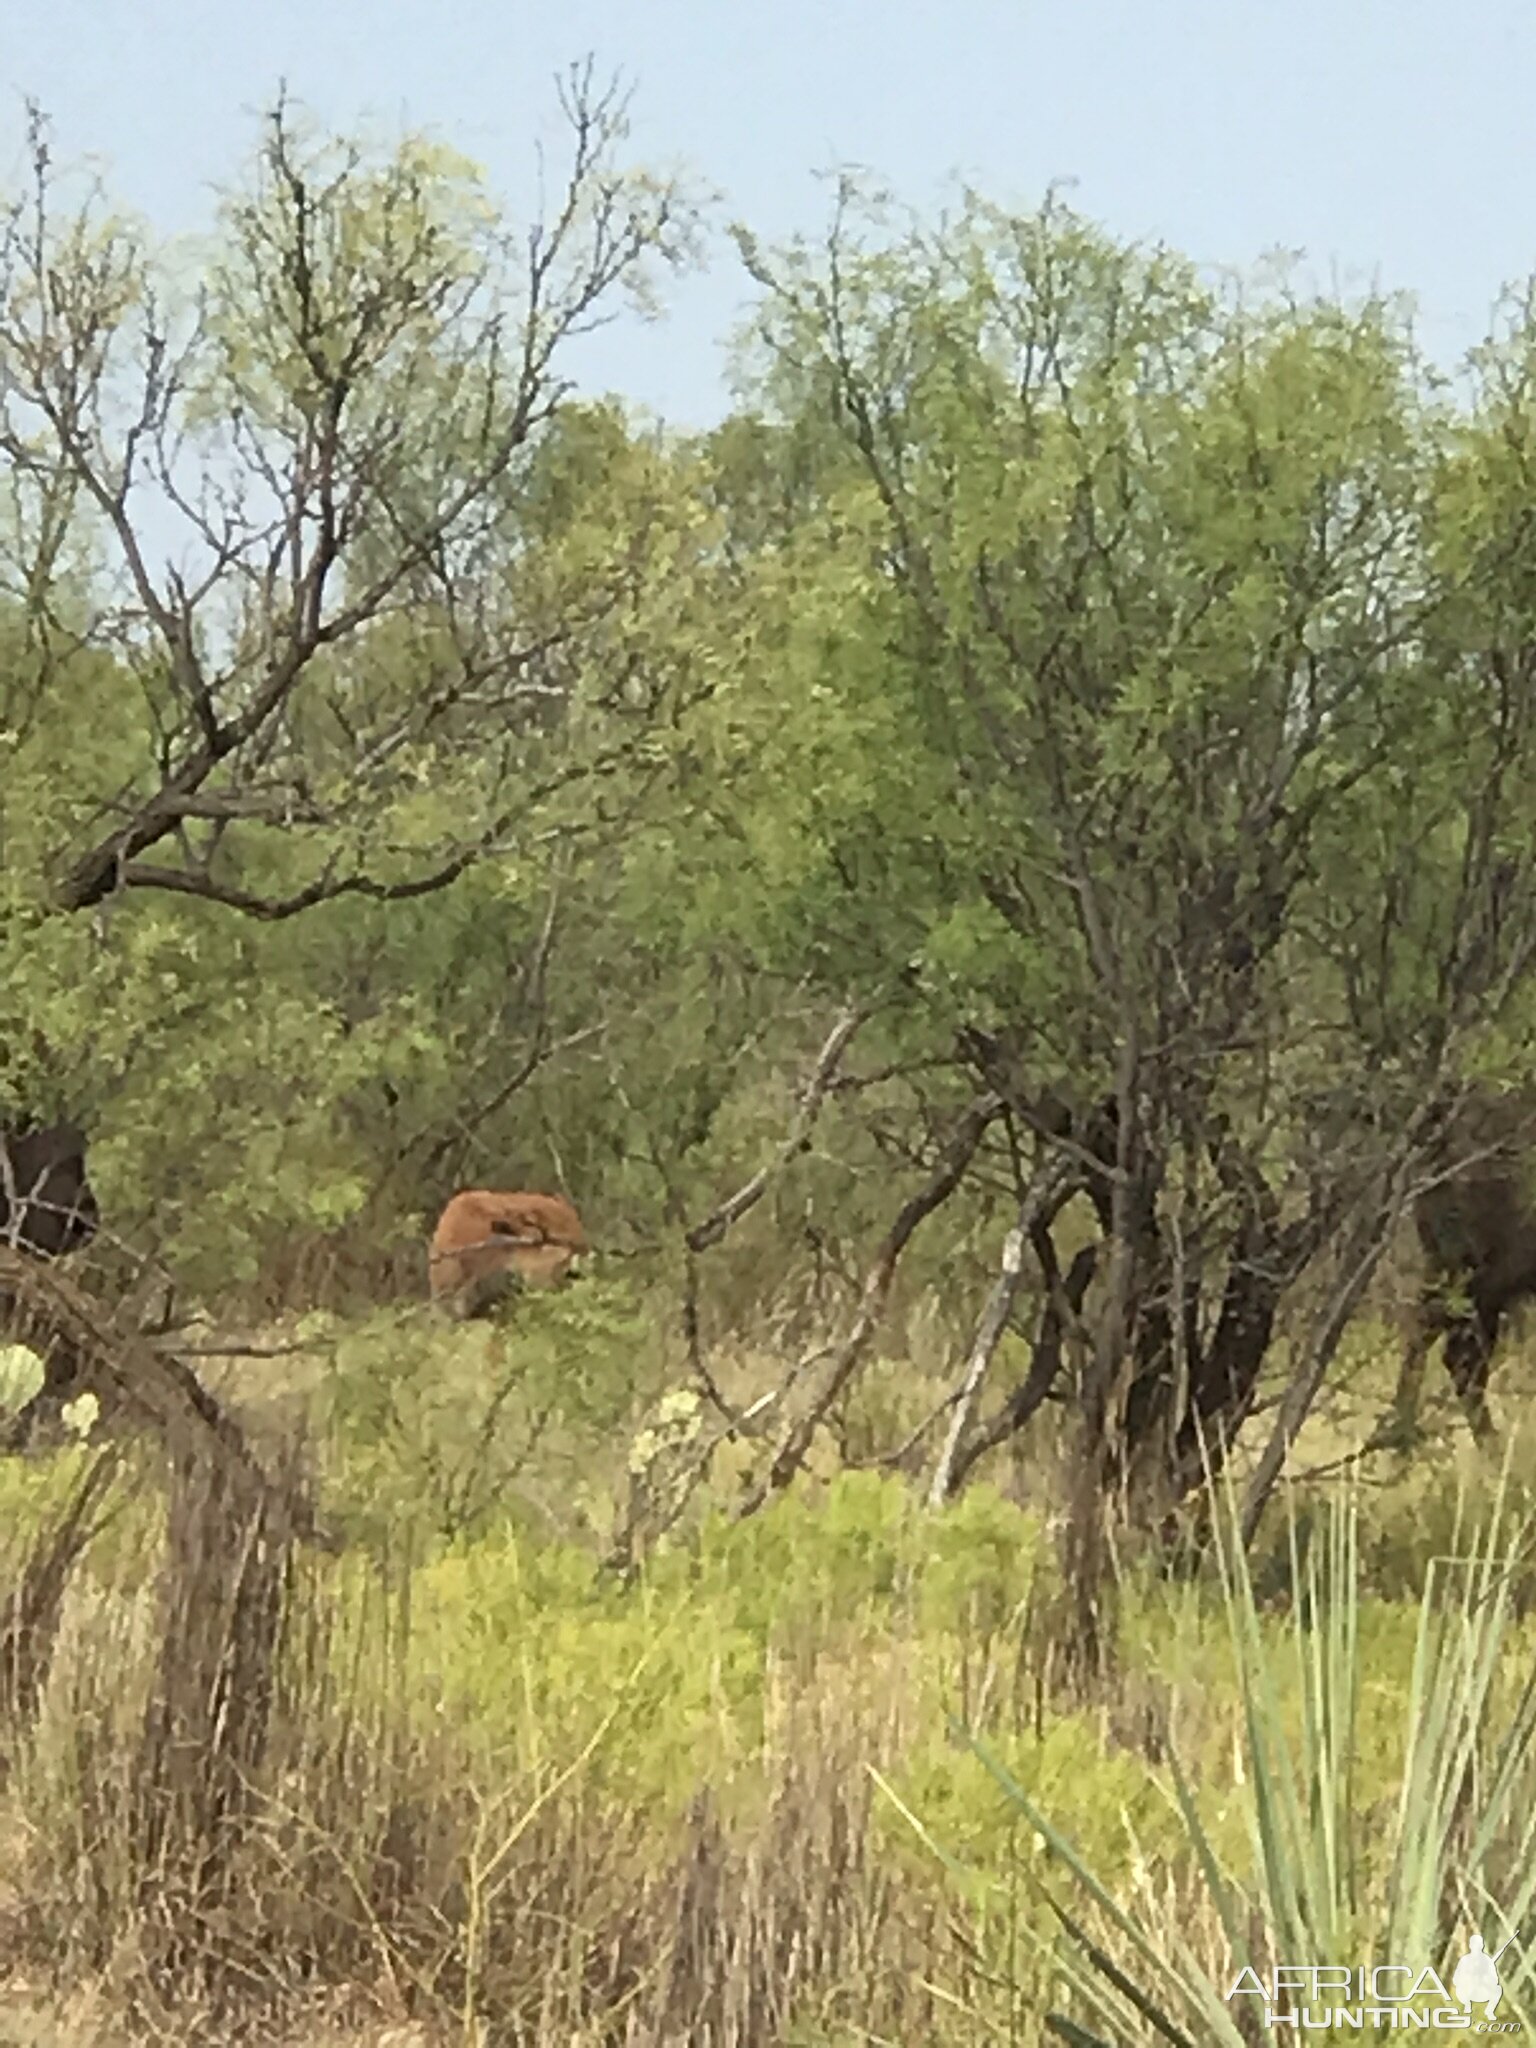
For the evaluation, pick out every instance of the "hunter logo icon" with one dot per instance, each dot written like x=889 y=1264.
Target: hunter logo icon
x=1326 y=1997
x=1475 y=1980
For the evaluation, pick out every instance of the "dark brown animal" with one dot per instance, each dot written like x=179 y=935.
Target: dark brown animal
x=47 y=1209
x=47 y=1206
x=488 y=1243
x=1476 y=1225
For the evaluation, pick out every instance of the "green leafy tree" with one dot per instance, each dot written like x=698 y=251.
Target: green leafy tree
x=1158 y=607
x=335 y=413
x=414 y=616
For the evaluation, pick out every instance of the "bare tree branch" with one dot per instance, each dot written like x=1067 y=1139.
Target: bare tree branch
x=940 y=1185
x=1049 y=1189
x=340 y=422
x=715 y=1225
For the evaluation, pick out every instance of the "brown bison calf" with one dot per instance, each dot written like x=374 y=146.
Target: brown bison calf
x=47 y=1210
x=488 y=1243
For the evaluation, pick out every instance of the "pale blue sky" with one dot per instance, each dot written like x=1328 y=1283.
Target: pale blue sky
x=1393 y=140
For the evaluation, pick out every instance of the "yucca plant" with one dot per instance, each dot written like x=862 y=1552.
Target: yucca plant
x=1331 y=1877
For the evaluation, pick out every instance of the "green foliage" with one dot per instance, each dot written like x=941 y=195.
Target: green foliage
x=1019 y=387
x=467 y=650
x=505 y=1681
x=433 y=1427
x=1052 y=651
x=521 y=1636
x=1033 y=582
x=1427 y=1512
x=1123 y=1822
x=401 y=235
x=1345 y=1859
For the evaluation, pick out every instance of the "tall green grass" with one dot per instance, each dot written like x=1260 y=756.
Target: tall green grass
x=807 y=1779
x=1356 y=1849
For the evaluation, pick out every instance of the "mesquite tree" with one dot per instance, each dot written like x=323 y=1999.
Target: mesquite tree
x=1193 y=681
